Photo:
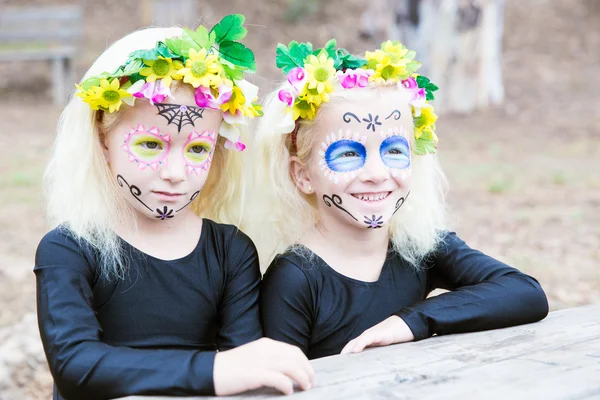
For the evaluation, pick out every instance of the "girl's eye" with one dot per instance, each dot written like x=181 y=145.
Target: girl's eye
x=349 y=154
x=151 y=145
x=395 y=151
x=197 y=149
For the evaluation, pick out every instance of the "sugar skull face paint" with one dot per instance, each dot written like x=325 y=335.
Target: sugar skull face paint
x=394 y=150
x=159 y=172
x=364 y=170
x=146 y=147
x=343 y=154
x=198 y=151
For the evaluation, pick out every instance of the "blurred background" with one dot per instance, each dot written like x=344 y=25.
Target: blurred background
x=519 y=128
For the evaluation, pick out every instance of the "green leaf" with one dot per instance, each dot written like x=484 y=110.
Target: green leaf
x=422 y=81
x=292 y=56
x=151 y=54
x=230 y=28
x=200 y=37
x=411 y=54
x=164 y=51
x=131 y=68
x=349 y=61
x=238 y=54
x=424 y=146
x=232 y=72
x=181 y=46
x=93 y=81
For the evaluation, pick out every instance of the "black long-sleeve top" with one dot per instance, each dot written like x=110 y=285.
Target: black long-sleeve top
x=306 y=303
x=154 y=332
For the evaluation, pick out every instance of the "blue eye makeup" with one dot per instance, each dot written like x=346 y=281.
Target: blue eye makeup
x=345 y=156
x=395 y=152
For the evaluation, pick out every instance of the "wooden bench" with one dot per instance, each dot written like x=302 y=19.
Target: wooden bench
x=557 y=358
x=47 y=33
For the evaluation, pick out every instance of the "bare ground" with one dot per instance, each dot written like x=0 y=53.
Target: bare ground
x=524 y=178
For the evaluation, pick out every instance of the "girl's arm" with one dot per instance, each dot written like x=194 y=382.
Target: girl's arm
x=239 y=314
x=286 y=304
x=485 y=294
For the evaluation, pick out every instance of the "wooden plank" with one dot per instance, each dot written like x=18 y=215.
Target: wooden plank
x=557 y=358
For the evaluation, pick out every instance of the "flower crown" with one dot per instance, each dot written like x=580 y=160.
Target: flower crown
x=312 y=73
x=212 y=62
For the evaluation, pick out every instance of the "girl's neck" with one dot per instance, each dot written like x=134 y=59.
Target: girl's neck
x=355 y=252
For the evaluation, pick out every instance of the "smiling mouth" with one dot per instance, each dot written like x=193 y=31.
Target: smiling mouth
x=371 y=197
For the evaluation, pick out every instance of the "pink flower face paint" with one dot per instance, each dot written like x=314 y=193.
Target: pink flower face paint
x=198 y=151
x=146 y=147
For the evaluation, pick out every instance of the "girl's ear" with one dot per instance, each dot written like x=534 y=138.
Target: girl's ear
x=301 y=175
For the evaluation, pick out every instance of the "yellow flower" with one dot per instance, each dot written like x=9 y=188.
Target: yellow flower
x=107 y=96
x=386 y=71
x=374 y=58
x=163 y=68
x=255 y=110
x=236 y=102
x=303 y=109
x=312 y=96
x=425 y=123
x=201 y=69
x=320 y=71
x=89 y=96
x=396 y=51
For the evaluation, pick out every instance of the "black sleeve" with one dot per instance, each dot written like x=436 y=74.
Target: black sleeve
x=81 y=364
x=286 y=304
x=485 y=294
x=239 y=313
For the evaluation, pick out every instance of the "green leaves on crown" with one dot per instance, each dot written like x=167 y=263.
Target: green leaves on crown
x=294 y=55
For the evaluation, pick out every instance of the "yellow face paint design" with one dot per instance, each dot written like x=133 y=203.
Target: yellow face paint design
x=198 y=151
x=146 y=147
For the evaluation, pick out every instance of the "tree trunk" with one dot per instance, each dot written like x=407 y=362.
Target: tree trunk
x=459 y=43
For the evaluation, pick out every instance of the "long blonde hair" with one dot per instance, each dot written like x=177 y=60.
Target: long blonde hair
x=281 y=214
x=81 y=193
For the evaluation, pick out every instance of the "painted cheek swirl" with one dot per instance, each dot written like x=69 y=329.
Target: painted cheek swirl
x=146 y=147
x=395 y=151
x=198 y=151
x=342 y=154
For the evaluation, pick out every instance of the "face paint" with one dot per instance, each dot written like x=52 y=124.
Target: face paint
x=146 y=147
x=134 y=190
x=374 y=222
x=180 y=115
x=396 y=114
x=372 y=123
x=394 y=150
x=335 y=200
x=342 y=154
x=399 y=203
x=198 y=151
x=165 y=213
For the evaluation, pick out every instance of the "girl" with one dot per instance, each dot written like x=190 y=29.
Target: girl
x=352 y=199
x=141 y=283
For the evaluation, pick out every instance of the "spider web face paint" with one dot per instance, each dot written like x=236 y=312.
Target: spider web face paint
x=394 y=150
x=198 y=151
x=146 y=147
x=343 y=155
x=180 y=115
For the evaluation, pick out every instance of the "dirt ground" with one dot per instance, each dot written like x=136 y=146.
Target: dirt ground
x=525 y=177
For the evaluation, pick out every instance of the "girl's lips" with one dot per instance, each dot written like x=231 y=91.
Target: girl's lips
x=168 y=196
x=371 y=196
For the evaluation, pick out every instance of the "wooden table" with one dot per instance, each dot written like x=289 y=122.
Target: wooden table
x=557 y=358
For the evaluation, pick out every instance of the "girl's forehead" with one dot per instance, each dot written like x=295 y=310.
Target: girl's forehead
x=176 y=118
x=369 y=117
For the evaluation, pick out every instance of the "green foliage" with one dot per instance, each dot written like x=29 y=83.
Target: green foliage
x=231 y=28
x=238 y=54
x=424 y=146
x=293 y=55
x=429 y=87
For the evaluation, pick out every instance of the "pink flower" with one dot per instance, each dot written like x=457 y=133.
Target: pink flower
x=286 y=97
x=410 y=83
x=297 y=78
x=155 y=92
x=354 y=77
x=237 y=146
x=205 y=98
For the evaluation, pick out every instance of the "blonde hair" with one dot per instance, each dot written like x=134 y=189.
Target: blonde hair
x=282 y=215
x=81 y=193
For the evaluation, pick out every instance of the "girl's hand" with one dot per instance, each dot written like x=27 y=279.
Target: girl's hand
x=390 y=331
x=264 y=362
